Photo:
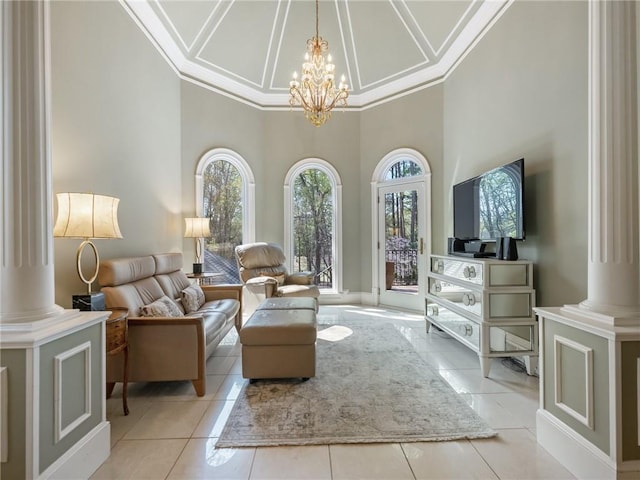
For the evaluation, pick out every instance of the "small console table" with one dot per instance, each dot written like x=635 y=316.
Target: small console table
x=206 y=278
x=486 y=304
x=117 y=339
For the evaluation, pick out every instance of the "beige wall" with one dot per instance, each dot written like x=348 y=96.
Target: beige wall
x=125 y=125
x=115 y=131
x=522 y=92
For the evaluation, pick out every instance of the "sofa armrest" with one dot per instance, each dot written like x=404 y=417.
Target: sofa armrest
x=229 y=290
x=299 y=278
x=163 y=349
x=218 y=292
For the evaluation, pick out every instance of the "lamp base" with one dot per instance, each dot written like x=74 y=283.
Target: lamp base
x=197 y=268
x=89 y=302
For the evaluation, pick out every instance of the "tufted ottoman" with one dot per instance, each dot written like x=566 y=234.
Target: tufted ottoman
x=279 y=341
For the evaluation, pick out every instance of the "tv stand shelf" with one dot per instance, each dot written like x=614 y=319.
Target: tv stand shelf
x=486 y=304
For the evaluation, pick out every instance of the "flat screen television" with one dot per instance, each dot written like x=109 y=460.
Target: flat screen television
x=491 y=205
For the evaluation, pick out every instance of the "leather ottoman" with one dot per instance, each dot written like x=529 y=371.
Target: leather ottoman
x=279 y=343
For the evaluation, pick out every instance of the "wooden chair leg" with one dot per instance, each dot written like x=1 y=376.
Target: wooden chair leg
x=109 y=389
x=125 y=379
x=200 y=386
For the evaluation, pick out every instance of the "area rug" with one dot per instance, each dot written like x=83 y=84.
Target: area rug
x=370 y=386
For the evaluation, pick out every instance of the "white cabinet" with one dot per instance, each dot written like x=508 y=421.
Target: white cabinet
x=486 y=304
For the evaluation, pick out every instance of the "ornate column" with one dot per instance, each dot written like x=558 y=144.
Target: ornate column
x=613 y=268
x=590 y=353
x=26 y=266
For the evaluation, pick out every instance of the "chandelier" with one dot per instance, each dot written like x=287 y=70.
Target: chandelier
x=316 y=91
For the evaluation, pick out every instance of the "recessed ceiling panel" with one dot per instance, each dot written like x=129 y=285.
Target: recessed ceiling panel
x=187 y=17
x=437 y=19
x=383 y=45
x=240 y=43
x=250 y=48
x=301 y=26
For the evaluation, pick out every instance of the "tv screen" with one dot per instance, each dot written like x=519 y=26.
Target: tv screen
x=491 y=205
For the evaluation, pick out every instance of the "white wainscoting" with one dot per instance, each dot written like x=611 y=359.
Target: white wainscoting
x=585 y=418
x=84 y=349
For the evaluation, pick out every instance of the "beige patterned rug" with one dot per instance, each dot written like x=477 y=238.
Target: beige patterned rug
x=370 y=386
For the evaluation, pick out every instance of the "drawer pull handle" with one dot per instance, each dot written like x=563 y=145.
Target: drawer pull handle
x=469 y=299
x=469 y=271
x=437 y=287
x=468 y=330
x=439 y=266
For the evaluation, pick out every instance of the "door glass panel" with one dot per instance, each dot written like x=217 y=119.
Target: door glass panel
x=401 y=241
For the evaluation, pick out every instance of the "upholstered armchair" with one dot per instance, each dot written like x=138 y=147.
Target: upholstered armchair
x=264 y=274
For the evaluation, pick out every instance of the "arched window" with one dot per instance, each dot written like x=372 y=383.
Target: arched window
x=313 y=222
x=225 y=194
x=402 y=168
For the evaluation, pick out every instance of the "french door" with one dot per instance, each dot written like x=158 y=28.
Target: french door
x=401 y=245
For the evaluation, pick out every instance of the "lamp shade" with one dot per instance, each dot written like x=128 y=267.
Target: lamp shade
x=85 y=215
x=196 y=228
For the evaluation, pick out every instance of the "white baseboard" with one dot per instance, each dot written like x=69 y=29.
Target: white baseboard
x=350 y=298
x=576 y=454
x=85 y=457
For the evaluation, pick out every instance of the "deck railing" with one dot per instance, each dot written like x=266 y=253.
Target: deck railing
x=405 y=269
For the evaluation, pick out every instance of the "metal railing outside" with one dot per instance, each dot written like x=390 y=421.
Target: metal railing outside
x=405 y=268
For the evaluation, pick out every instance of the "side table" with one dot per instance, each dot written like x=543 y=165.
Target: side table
x=118 y=341
x=206 y=278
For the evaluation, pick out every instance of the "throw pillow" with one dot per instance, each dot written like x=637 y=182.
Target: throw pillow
x=163 y=307
x=192 y=298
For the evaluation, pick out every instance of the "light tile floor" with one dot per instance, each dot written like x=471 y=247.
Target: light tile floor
x=171 y=433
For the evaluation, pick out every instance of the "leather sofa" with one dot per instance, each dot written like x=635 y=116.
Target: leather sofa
x=262 y=269
x=166 y=348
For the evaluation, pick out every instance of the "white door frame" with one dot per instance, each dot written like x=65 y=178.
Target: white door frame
x=377 y=182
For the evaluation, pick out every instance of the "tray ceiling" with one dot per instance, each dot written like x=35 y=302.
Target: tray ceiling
x=249 y=49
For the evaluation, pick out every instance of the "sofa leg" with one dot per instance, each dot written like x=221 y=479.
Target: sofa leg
x=200 y=385
x=109 y=390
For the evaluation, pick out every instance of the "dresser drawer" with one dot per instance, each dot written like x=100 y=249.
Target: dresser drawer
x=509 y=305
x=488 y=273
x=458 y=269
x=462 y=328
x=462 y=297
x=513 y=339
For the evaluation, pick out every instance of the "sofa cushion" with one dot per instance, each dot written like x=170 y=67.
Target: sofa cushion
x=228 y=306
x=125 y=270
x=192 y=298
x=173 y=283
x=163 y=307
x=133 y=296
x=167 y=262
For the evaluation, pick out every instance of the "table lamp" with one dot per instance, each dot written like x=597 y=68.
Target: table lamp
x=87 y=216
x=197 y=228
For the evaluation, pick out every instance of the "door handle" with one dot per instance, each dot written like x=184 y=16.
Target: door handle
x=421 y=246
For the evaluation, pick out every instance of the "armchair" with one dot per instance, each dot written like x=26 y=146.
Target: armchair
x=262 y=270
